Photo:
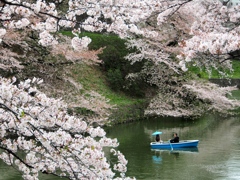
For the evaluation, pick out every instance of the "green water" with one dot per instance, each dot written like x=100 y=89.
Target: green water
x=217 y=156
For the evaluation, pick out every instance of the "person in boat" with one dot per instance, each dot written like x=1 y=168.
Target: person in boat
x=175 y=138
x=158 y=139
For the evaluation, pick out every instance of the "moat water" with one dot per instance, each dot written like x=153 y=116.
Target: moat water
x=217 y=156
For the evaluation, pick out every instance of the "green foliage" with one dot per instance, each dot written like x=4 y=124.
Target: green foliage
x=111 y=58
x=117 y=67
x=100 y=40
x=127 y=113
x=104 y=40
x=236 y=67
x=80 y=111
x=114 y=77
x=234 y=95
x=202 y=73
x=92 y=78
x=67 y=33
x=114 y=63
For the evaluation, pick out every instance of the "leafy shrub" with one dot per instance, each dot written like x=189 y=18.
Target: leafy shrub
x=114 y=77
x=114 y=63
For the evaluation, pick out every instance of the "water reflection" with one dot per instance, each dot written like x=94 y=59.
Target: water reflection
x=157 y=159
x=158 y=153
x=216 y=157
x=181 y=150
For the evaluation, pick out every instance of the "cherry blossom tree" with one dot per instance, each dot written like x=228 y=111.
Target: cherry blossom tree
x=215 y=36
x=54 y=142
x=214 y=29
x=50 y=140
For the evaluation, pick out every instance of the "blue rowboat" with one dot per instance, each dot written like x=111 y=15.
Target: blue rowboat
x=180 y=144
x=188 y=150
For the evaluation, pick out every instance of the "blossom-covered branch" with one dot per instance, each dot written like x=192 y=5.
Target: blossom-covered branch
x=53 y=142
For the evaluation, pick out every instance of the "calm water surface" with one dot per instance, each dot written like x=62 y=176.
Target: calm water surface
x=216 y=158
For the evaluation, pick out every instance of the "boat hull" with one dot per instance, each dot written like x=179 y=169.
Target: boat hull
x=181 y=144
x=186 y=150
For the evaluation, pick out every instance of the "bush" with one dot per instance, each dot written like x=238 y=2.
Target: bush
x=114 y=77
x=114 y=63
x=111 y=58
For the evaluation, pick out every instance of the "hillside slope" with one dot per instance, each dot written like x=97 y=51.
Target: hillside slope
x=73 y=76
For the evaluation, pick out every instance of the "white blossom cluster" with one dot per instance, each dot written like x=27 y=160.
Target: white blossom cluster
x=80 y=43
x=2 y=33
x=126 y=18
x=216 y=33
x=218 y=96
x=53 y=141
x=46 y=133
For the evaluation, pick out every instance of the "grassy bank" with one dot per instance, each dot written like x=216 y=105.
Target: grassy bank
x=94 y=77
x=215 y=75
x=98 y=40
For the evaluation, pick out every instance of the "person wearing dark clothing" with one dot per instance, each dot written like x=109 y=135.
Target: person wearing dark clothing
x=175 y=139
x=157 y=138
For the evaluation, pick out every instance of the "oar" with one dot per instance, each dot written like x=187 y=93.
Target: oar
x=171 y=145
